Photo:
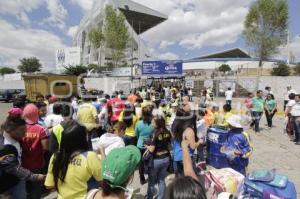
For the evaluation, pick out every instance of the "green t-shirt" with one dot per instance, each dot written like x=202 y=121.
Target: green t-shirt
x=258 y=104
x=270 y=104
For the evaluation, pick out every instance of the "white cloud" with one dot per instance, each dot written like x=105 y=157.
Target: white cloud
x=168 y=56
x=57 y=14
x=72 y=31
x=195 y=24
x=295 y=48
x=84 y=4
x=17 y=43
x=166 y=44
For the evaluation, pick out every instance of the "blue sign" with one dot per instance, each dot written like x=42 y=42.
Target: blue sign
x=162 y=68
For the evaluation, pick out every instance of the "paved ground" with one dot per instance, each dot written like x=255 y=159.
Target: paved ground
x=272 y=149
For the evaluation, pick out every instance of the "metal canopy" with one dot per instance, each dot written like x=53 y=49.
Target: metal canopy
x=140 y=17
x=231 y=53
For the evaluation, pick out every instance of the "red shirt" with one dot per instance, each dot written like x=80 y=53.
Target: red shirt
x=33 y=152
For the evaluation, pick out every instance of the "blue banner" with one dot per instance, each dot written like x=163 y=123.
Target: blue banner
x=162 y=68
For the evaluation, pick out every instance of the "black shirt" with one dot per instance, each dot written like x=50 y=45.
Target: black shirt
x=161 y=141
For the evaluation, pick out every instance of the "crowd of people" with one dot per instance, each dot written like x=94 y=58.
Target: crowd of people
x=91 y=147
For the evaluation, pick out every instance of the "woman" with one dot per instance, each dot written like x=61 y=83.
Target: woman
x=143 y=131
x=184 y=126
x=12 y=173
x=118 y=169
x=270 y=109
x=159 y=147
x=72 y=167
x=130 y=119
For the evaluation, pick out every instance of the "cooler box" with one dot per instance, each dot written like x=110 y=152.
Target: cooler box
x=216 y=138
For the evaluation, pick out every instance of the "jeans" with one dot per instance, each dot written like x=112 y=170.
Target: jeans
x=269 y=118
x=128 y=140
x=228 y=102
x=157 y=176
x=141 y=166
x=18 y=191
x=256 y=116
x=178 y=168
x=297 y=129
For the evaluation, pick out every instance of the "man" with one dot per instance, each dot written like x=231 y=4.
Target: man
x=228 y=96
x=296 y=119
x=267 y=91
x=286 y=95
x=257 y=110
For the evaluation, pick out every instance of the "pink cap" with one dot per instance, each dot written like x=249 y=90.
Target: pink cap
x=52 y=99
x=15 y=112
x=31 y=114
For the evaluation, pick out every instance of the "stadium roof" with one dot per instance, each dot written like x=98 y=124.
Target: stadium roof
x=140 y=17
x=231 y=53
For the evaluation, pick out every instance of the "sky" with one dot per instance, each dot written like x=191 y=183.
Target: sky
x=194 y=27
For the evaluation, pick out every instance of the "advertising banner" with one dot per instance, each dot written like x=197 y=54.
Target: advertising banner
x=162 y=68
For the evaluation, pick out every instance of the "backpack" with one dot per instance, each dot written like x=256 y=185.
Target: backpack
x=8 y=158
x=279 y=187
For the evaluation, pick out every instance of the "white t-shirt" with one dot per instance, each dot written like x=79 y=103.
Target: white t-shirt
x=296 y=110
x=286 y=95
x=190 y=92
x=228 y=94
x=52 y=120
x=291 y=103
x=109 y=141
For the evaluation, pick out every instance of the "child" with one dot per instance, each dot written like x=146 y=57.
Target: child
x=112 y=140
x=209 y=116
x=238 y=147
x=227 y=114
x=215 y=110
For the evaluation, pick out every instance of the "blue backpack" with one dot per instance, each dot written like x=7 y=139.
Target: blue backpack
x=279 y=187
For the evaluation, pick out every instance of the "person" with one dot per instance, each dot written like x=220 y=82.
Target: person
x=54 y=118
x=201 y=134
x=257 y=110
x=73 y=168
x=295 y=114
x=52 y=100
x=190 y=94
x=117 y=171
x=267 y=91
x=216 y=114
x=18 y=103
x=159 y=147
x=248 y=104
x=130 y=119
x=289 y=123
x=228 y=96
x=270 y=109
x=143 y=131
x=112 y=140
x=96 y=104
x=227 y=114
x=39 y=98
x=132 y=97
x=184 y=125
x=34 y=144
x=187 y=186
x=209 y=116
x=42 y=113
x=87 y=116
x=74 y=102
x=12 y=173
x=202 y=100
x=238 y=147
x=289 y=91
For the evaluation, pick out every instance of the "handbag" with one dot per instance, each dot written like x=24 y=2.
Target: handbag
x=147 y=161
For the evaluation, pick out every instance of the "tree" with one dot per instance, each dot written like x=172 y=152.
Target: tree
x=30 y=65
x=265 y=27
x=224 y=68
x=297 y=69
x=281 y=69
x=7 y=70
x=75 y=70
x=116 y=35
x=97 y=39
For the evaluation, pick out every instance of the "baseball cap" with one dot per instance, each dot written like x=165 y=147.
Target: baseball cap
x=235 y=121
x=31 y=114
x=120 y=164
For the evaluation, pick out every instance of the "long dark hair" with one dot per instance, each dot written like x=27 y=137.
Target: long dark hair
x=128 y=115
x=147 y=114
x=160 y=126
x=184 y=120
x=73 y=142
x=186 y=188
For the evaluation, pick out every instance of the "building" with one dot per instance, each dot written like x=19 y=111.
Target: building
x=239 y=61
x=139 y=19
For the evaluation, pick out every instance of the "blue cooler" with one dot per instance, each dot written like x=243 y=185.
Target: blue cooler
x=216 y=138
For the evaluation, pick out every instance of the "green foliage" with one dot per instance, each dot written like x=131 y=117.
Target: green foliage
x=116 y=35
x=7 y=70
x=265 y=27
x=30 y=65
x=75 y=70
x=96 y=37
x=224 y=68
x=297 y=69
x=281 y=69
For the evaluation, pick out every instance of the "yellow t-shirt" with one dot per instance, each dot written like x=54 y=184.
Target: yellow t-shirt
x=225 y=118
x=80 y=171
x=216 y=117
x=146 y=103
x=130 y=131
x=87 y=115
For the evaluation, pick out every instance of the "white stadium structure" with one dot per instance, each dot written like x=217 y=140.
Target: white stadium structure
x=139 y=19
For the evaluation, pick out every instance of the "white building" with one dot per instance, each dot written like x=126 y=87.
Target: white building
x=138 y=20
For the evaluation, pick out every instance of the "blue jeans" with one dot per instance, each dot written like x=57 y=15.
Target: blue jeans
x=297 y=129
x=256 y=116
x=157 y=176
x=178 y=168
x=18 y=191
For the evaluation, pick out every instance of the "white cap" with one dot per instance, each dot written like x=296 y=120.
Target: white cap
x=235 y=121
x=224 y=195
